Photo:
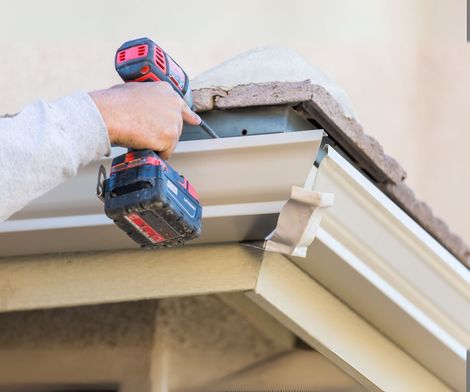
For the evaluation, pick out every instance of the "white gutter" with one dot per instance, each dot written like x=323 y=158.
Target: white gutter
x=68 y=222
x=392 y=272
x=243 y=183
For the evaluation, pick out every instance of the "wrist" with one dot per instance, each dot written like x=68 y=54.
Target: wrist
x=102 y=102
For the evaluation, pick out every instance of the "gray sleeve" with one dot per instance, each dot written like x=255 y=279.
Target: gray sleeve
x=44 y=145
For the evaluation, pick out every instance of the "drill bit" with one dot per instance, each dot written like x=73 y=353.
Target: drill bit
x=208 y=129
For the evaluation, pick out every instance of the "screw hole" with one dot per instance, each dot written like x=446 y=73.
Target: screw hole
x=244 y=132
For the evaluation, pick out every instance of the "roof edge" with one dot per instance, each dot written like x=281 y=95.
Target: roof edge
x=320 y=102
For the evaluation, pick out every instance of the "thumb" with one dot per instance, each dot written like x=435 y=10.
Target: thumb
x=190 y=117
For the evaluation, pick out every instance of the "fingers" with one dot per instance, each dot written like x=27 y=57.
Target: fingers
x=144 y=115
x=189 y=116
x=165 y=155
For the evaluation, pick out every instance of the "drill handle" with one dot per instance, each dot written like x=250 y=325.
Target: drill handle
x=142 y=60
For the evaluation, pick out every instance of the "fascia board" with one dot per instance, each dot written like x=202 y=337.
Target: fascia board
x=375 y=253
x=242 y=182
x=65 y=280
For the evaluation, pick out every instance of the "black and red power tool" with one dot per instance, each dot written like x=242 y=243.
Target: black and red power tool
x=144 y=195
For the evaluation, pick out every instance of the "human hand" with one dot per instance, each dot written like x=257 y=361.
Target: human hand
x=144 y=115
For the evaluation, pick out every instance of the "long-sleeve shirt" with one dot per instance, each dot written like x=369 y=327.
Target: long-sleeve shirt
x=44 y=145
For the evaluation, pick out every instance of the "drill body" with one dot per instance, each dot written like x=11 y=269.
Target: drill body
x=142 y=60
x=144 y=196
x=150 y=201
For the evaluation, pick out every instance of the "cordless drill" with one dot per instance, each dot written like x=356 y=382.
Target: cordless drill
x=144 y=195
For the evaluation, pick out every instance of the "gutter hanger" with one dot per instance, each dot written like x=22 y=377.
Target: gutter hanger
x=298 y=222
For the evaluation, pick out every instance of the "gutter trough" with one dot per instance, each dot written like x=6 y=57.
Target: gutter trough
x=243 y=182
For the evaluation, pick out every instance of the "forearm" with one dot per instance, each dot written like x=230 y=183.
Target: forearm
x=44 y=145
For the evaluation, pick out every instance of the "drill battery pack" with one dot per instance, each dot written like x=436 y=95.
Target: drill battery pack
x=150 y=201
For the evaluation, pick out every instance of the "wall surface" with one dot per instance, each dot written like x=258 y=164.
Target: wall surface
x=179 y=344
x=103 y=345
x=405 y=64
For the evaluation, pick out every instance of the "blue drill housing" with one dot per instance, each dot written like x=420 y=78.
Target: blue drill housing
x=150 y=201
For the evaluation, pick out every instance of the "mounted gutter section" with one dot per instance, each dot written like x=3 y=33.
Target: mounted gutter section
x=243 y=182
x=326 y=106
x=387 y=268
x=248 y=169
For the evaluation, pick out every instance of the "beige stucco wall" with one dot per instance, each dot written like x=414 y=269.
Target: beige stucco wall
x=182 y=344
x=405 y=64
